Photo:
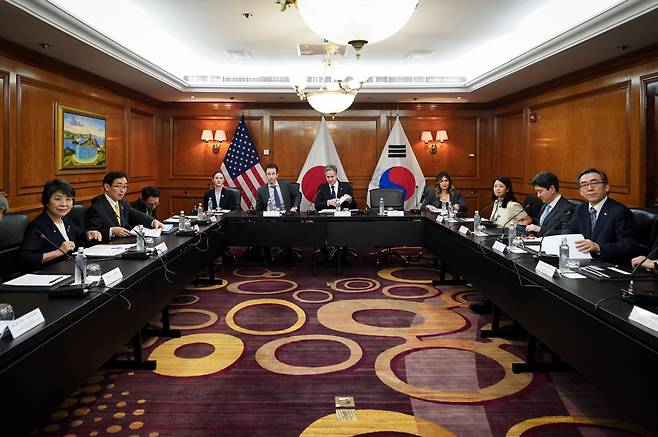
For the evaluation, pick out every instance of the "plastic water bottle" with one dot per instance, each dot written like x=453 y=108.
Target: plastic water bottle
x=444 y=211
x=270 y=204
x=199 y=212
x=511 y=235
x=476 y=221
x=381 y=206
x=181 y=221
x=80 y=266
x=139 y=230
x=564 y=255
x=451 y=213
x=210 y=205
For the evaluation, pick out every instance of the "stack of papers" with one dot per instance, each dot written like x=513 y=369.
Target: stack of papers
x=32 y=280
x=551 y=245
x=107 y=250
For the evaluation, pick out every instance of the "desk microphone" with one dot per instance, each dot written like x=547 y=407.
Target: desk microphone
x=639 y=298
x=416 y=208
x=513 y=217
x=194 y=200
x=136 y=254
x=75 y=290
x=544 y=234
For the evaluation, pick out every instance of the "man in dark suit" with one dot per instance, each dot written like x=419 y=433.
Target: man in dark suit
x=329 y=193
x=284 y=195
x=556 y=211
x=148 y=202
x=607 y=225
x=111 y=214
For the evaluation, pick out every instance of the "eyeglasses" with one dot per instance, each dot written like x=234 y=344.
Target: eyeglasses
x=120 y=187
x=592 y=184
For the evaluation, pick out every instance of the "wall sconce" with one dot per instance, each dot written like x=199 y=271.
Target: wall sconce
x=220 y=136
x=426 y=137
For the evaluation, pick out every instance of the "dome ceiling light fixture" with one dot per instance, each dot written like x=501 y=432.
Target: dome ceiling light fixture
x=354 y=22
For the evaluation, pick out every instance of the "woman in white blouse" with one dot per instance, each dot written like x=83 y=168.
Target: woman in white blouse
x=506 y=210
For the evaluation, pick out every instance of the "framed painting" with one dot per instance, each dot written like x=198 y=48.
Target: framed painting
x=80 y=141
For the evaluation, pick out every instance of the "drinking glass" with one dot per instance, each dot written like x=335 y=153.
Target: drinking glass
x=93 y=275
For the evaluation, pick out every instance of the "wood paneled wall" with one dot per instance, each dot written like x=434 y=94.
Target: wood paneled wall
x=29 y=95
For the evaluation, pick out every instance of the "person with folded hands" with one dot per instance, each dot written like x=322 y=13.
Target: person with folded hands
x=53 y=233
x=506 y=211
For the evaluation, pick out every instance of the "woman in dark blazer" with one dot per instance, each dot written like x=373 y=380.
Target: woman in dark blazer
x=54 y=225
x=221 y=198
x=444 y=192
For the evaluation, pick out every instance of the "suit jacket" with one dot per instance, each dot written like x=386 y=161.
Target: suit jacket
x=455 y=198
x=140 y=206
x=225 y=202
x=324 y=194
x=290 y=196
x=559 y=217
x=614 y=231
x=100 y=216
x=33 y=246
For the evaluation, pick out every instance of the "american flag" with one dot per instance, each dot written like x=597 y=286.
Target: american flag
x=241 y=166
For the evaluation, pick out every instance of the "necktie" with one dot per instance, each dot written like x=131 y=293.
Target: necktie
x=544 y=214
x=277 y=199
x=333 y=192
x=117 y=213
x=592 y=213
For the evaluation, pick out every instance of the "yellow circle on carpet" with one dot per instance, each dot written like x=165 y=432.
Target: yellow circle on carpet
x=212 y=318
x=301 y=316
x=431 y=291
x=296 y=294
x=266 y=356
x=536 y=422
x=436 y=320
x=235 y=287
x=373 y=285
x=371 y=421
x=388 y=274
x=228 y=349
x=267 y=273
x=510 y=384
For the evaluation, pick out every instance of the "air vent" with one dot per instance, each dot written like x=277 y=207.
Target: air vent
x=317 y=50
x=419 y=55
x=373 y=82
x=238 y=54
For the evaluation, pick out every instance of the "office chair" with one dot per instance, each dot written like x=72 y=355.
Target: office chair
x=646 y=222
x=77 y=213
x=281 y=251
x=393 y=198
x=12 y=228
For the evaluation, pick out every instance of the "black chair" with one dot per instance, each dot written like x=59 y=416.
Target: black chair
x=277 y=252
x=533 y=205
x=77 y=213
x=646 y=222
x=12 y=228
x=236 y=195
x=393 y=198
x=576 y=202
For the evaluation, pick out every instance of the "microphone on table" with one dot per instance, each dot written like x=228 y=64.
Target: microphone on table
x=416 y=208
x=194 y=200
x=137 y=253
x=545 y=234
x=75 y=290
x=639 y=298
x=513 y=217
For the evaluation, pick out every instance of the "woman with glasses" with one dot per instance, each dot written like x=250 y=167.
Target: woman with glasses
x=443 y=194
x=506 y=211
x=53 y=233
x=221 y=198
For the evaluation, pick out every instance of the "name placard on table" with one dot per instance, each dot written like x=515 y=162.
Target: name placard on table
x=271 y=213
x=395 y=213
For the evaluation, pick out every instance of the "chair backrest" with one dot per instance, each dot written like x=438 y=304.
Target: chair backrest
x=12 y=228
x=236 y=194
x=77 y=214
x=576 y=202
x=393 y=198
x=646 y=222
x=533 y=206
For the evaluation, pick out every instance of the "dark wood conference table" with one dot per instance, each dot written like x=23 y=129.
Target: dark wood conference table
x=46 y=364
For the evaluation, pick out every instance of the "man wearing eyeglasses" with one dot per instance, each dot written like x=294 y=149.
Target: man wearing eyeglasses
x=111 y=214
x=148 y=202
x=607 y=225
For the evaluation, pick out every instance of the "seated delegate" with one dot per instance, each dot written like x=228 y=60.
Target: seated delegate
x=506 y=210
x=53 y=233
x=444 y=193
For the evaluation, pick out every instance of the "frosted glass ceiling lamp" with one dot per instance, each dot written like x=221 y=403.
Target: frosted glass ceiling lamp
x=330 y=102
x=354 y=22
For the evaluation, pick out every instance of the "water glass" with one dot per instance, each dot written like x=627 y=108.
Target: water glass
x=573 y=264
x=149 y=243
x=6 y=311
x=93 y=275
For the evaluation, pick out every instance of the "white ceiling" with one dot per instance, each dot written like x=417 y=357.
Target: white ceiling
x=482 y=49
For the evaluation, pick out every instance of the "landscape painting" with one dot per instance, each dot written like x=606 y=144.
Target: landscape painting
x=80 y=140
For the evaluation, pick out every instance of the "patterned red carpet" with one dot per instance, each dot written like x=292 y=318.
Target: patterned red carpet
x=267 y=354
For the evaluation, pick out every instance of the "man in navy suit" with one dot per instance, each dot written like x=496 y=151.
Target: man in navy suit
x=607 y=225
x=283 y=194
x=556 y=211
x=111 y=214
x=329 y=193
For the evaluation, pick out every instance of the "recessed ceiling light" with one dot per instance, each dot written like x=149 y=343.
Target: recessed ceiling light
x=192 y=97
x=459 y=97
x=420 y=54
x=43 y=45
x=247 y=15
x=238 y=54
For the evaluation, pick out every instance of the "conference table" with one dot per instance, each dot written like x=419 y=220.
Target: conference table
x=79 y=335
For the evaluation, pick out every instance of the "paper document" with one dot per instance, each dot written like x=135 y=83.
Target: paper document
x=148 y=232
x=107 y=250
x=32 y=280
x=551 y=245
x=171 y=220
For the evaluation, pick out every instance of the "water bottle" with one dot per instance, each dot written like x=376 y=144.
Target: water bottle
x=511 y=235
x=443 y=209
x=381 y=206
x=139 y=230
x=476 y=221
x=270 y=204
x=181 y=221
x=564 y=255
x=199 y=212
x=80 y=266
x=451 y=213
x=210 y=205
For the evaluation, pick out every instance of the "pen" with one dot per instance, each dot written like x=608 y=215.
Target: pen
x=52 y=281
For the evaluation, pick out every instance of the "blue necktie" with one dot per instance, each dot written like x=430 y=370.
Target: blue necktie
x=277 y=199
x=592 y=213
x=544 y=214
